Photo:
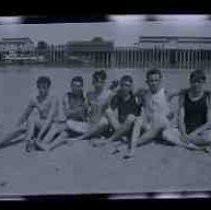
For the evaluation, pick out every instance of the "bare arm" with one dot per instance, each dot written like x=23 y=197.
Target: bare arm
x=140 y=96
x=26 y=113
x=181 y=115
x=108 y=101
x=170 y=96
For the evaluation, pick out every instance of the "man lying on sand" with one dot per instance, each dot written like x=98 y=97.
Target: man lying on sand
x=35 y=128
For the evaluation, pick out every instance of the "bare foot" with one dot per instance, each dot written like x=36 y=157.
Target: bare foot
x=40 y=146
x=191 y=146
x=59 y=144
x=29 y=146
x=129 y=155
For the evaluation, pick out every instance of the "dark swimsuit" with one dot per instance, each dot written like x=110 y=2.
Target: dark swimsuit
x=195 y=112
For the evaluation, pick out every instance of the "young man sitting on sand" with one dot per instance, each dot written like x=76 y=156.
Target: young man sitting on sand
x=156 y=120
x=35 y=128
x=87 y=116
x=75 y=112
x=127 y=107
x=98 y=101
x=195 y=113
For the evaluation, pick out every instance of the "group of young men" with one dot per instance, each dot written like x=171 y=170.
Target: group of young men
x=117 y=113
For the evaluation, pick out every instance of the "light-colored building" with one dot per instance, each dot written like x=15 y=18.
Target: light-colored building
x=165 y=52
x=175 y=42
x=161 y=51
x=96 y=52
x=17 y=45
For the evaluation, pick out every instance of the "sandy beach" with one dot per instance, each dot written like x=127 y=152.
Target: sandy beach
x=81 y=168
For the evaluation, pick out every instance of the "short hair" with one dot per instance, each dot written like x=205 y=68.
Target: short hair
x=44 y=80
x=197 y=75
x=127 y=78
x=99 y=75
x=153 y=71
x=77 y=79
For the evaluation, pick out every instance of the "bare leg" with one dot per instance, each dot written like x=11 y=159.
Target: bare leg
x=173 y=136
x=113 y=121
x=56 y=129
x=56 y=135
x=60 y=140
x=149 y=136
x=14 y=135
x=95 y=130
x=32 y=124
x=134 y=137
x=157 y=125
x=122 y=129
x=201 y=141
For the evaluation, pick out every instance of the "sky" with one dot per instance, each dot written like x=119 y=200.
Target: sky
x=123 y=33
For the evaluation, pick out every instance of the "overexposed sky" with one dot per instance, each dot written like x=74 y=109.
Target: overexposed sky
x=123 y=33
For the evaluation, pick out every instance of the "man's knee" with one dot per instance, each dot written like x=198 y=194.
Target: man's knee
x=170 y=134
x=103 y=122
x=166 y=134
x=109 y=112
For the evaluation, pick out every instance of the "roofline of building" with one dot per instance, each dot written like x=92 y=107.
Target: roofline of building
x=176 y=37
x=16 y=39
